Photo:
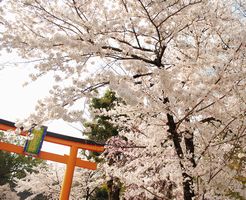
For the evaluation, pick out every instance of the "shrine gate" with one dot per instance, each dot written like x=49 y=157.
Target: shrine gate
x=70 y=160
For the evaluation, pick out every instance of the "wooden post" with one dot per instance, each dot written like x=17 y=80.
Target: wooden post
x=68 y=177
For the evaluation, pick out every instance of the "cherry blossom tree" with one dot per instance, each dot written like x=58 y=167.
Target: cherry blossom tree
x=178 y=64
x=48 y=181
x=7 y=193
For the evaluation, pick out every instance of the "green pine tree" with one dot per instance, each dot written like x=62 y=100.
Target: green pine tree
x=101 y=129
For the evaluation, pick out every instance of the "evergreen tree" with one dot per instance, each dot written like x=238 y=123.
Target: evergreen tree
x=15 y=166
x=100 y=129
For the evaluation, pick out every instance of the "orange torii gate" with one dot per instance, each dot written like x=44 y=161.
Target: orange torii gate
x=70 y=160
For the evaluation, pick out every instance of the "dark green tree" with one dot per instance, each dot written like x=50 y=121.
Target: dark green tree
x=15 y=166
x=101 y=129
x=100 y=193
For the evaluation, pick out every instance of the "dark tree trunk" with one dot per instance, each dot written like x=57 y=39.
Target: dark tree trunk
x=87 y=194
x=114 y=190
x=176 y=138
x=189 y=144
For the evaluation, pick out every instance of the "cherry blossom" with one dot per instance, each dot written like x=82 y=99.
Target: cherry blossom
x=179 y=66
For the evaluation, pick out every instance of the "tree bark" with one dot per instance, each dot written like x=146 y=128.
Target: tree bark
x=113 y=190
x=176 y=138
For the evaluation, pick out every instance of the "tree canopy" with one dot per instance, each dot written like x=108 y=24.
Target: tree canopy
x=180 y=67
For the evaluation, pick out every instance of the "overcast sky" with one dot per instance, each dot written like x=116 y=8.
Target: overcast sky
x=18 y=101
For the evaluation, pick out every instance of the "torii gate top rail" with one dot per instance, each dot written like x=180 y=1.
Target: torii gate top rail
x=59 y=138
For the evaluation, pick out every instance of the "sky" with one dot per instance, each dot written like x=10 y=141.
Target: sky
x=18 y=101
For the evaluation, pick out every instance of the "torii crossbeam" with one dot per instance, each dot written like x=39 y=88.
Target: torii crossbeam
x=70 y=160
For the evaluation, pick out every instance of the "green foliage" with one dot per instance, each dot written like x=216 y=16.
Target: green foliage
x=109 y=190
x=15 y=166
x=241 y=178
x=237 y=163
x=100 y=128
x=108 y=101
x=100 y=194
x=236 y=195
